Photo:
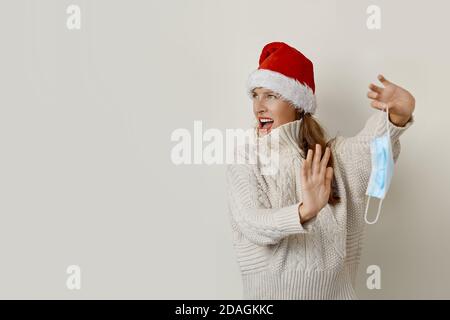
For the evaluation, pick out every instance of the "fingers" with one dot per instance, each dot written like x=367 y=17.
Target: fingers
x=328 y=176
x=379 y=105
x=324 y=161
x=306 y=167
x=383 y=80
x=303 y=173
x=315 y=164
x=316 y=161
x=375 y=88
x=372 y=95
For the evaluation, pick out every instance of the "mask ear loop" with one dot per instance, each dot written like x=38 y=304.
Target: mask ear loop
x=381 y=201
x=378 y=213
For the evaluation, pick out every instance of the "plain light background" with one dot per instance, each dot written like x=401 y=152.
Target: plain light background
x=86 y=117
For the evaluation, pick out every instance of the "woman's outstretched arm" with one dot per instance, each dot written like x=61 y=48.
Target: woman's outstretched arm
x=353 y=153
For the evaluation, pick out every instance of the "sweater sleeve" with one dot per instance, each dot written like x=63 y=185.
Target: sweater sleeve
x=354 y=153
x=261 y=226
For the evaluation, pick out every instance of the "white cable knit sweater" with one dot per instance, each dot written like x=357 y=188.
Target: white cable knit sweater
x=278 y=257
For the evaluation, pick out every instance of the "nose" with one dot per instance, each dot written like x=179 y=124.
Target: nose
x=259 y=106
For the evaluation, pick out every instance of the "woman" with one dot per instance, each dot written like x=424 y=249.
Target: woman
x=298 y=232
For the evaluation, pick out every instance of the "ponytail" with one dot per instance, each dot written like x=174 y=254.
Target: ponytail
x=311 y=133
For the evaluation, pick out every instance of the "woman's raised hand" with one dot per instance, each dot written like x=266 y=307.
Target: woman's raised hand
x=316 y=180
x=400 y=102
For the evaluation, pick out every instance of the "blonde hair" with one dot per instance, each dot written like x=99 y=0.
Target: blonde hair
x=310 y=134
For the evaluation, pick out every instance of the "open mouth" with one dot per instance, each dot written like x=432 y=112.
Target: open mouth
x=265 y=124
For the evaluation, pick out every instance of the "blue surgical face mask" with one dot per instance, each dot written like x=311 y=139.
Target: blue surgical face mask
x=382 y=169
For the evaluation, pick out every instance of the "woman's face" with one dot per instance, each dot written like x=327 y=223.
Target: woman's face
x=271 y=110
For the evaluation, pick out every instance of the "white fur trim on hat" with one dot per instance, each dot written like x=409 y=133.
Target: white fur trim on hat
x=300 y=95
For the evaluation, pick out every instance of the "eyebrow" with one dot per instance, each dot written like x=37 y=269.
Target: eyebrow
x=268 y=91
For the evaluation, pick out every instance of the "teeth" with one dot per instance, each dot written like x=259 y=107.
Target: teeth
x=266 y=120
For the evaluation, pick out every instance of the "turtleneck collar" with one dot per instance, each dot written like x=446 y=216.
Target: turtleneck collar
x=288 y=134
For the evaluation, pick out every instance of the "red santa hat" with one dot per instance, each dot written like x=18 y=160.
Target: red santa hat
x=288 y=72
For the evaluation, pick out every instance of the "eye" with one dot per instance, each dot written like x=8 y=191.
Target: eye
x=272 y=96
